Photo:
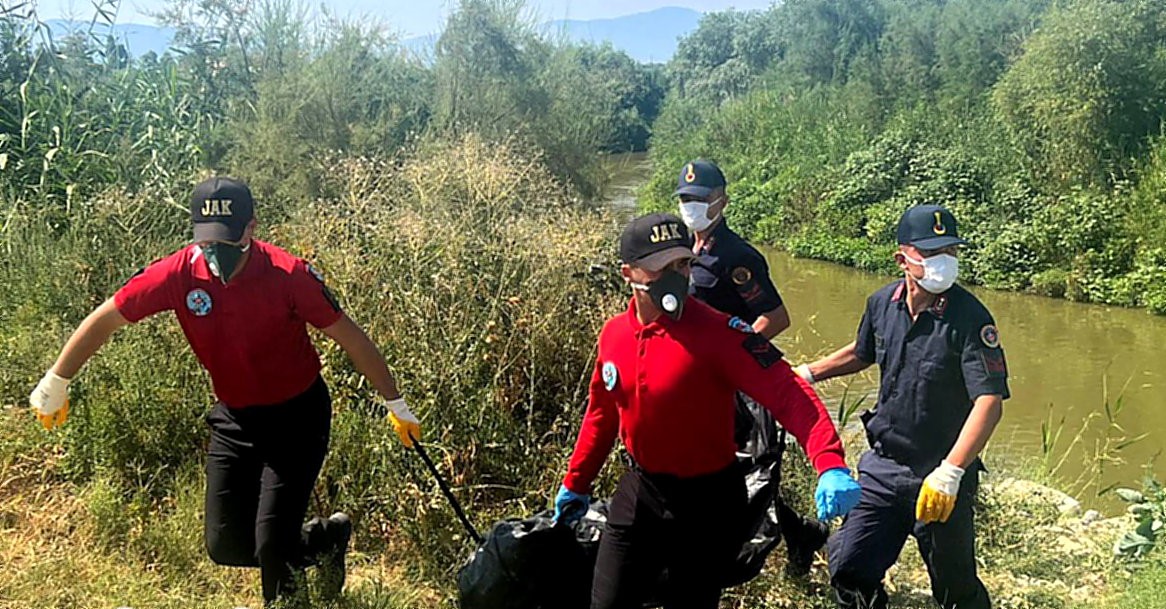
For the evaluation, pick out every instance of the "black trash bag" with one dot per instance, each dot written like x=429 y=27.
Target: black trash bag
x=527 y=564
x=760 y=446
x=534 y=564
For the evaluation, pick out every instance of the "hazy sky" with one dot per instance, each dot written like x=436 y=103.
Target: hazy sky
x=415 y=17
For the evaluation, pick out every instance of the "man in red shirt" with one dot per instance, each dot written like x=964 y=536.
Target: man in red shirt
x=665 y=382
x=244 y=306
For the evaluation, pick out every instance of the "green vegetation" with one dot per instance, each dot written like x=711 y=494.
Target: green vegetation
x=1037 y=123
x=445 y=201
x=1149 y=508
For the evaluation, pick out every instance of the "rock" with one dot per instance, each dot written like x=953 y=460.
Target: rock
x=1091 y=517
x=1029 y=491
x=1069 y=506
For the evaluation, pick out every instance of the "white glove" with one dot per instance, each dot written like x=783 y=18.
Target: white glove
x=804 y=372
x=404 y=422
x=938 y=493
x=51 y=400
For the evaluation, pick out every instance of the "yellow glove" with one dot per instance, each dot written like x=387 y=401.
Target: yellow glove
x=404 y=422
x=51 y=400
x=938 y=494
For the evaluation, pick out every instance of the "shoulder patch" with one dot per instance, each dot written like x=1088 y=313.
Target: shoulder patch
x=990 y=336
x=739 y=325
x=741 y=275
x=763 y=351
x=610 y=376
x=330 y=298
x=994 y=363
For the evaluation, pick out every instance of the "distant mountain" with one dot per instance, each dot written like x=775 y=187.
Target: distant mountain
x=138 y=38
x=647 y=37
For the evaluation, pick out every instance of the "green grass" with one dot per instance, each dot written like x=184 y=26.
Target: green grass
x=1146 y=588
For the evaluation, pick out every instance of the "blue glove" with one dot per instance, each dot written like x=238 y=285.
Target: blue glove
x=837 y=493
x=570 y=506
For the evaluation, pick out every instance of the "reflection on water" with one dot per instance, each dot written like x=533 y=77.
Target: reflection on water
x=626 y=173
x=1061 y=355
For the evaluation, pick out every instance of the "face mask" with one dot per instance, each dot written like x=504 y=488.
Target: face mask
x=939 y=272
x=223 y=258
x=695 y=214
x=668 y=292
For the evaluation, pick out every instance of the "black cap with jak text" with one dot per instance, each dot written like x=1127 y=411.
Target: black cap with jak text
x=221 y=208
x=652 y=242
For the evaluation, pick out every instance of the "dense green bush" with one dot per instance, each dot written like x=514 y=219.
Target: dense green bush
x=1034 y=122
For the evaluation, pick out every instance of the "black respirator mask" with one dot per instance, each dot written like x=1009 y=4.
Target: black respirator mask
x=668 y=292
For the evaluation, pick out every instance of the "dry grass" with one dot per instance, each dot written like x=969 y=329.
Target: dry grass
x=61 y=549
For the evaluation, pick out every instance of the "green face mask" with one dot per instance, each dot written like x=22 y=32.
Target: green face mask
x=223 y=258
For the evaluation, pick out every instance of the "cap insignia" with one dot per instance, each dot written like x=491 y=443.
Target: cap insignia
x=939 y=228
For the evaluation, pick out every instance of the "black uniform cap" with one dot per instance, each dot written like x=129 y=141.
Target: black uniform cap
x=699 y=179
x=929 y=227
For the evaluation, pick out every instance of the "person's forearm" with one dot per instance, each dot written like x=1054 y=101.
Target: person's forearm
x=796 y=407
x=88 y=338
x=840 y=363
x=977 y=429
x=772 y=323
x=368 y=361
x=365 y=356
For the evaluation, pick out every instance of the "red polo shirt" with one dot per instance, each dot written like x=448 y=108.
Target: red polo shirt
x=669 y=389
x=250 y=334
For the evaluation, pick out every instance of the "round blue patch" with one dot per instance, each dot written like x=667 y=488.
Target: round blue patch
x=199 y=302
x=610 y=375
x=739 y=325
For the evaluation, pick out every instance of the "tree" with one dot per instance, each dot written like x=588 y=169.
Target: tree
x=1088 y=90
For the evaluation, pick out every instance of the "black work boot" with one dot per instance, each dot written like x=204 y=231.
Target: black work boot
x=804 y=536
x=332 y=568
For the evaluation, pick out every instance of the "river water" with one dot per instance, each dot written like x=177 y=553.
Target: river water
x=1065 y=360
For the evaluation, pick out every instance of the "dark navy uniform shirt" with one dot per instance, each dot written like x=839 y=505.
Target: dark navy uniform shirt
x=932 y=370
x=731 y=276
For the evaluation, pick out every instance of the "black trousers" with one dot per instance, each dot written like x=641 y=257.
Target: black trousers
x=875 y=530
x=690 y=527
x=261 y=467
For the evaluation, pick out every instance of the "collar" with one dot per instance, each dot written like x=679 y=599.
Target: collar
x=198 y=264
x=900 y=291
x=202 y=271
x=938 y=306
x=719 y=230
x=660 y=324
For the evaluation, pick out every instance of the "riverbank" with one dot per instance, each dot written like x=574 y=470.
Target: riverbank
x=74 y=545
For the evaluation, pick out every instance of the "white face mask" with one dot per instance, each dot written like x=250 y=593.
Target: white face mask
x=695 y=214
x=939 y=272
